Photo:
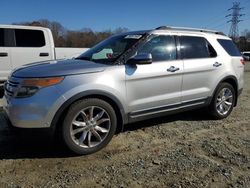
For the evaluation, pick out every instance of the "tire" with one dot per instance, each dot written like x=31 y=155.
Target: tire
x=89 y=126
x=218 y=108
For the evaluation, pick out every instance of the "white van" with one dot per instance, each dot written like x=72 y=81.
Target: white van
x=21 y=45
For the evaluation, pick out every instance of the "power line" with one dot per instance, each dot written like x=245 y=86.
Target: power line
x=215 y=22
x=247 y=19
x=246 y=2
x=215 y=18
x=219 y=26
x=235 y=19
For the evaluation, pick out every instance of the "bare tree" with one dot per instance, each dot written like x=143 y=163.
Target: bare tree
x=63 y=37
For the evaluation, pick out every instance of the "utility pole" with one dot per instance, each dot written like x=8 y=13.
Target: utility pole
x=235 y=20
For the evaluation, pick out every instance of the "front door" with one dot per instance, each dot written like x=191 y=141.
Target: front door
x=152 y=88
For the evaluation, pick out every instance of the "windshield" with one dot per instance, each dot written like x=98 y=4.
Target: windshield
x=110 y=49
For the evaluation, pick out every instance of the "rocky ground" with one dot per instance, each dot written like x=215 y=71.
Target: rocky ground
x=184 y=150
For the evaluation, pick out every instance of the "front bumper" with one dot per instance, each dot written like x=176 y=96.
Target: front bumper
x=33 y=112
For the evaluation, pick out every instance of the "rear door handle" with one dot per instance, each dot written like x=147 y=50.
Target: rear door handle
x=44 y=54
x=217 y=64
x=173 y=69
x=3 y=54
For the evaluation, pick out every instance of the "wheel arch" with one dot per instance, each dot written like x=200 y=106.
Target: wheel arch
x=231 y=80
x=111 y=99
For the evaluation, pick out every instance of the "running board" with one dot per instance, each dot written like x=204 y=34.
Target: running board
x=167 y=109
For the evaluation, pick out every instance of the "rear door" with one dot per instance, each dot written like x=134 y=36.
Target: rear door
x=30 y=46
x=5 y=63
x=201 y=66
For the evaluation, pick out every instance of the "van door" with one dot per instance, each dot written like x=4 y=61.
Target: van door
x=5 y=63
x=30 y=46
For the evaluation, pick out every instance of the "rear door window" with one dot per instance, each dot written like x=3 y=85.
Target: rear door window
x=230 y=47
x=1 y=37
x=29 y=38
x=196 y=47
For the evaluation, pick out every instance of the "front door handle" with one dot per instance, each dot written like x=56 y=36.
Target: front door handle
x=173 y=69
x=216 y=64
x=3 y=54
x=44 y=54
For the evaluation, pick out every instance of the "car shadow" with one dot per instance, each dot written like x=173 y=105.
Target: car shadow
x=23 y=144
x=39 y=143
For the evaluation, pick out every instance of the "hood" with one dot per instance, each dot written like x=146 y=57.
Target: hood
x=58 y=68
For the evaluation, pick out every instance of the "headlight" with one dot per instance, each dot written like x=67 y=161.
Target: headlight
x=30 y=86
x=26 y=91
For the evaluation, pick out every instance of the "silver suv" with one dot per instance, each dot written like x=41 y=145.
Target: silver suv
x=127 y=78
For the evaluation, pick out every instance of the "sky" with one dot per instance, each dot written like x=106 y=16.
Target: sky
x=101 y=15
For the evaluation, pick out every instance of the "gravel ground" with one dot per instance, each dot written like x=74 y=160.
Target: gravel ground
x=183 y=150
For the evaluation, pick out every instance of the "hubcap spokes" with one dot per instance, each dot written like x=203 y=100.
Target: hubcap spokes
x=224 y=101
x=90 y=127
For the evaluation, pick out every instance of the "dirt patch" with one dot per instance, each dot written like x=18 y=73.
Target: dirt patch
x=183 y=150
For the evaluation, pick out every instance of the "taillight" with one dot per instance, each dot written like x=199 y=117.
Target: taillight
x=242 y=62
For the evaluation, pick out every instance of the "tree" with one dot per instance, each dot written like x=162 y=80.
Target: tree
x=120 y=30
x=63 y=37
x=244 y=41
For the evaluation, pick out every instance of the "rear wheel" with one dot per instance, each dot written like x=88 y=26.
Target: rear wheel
x=223 y=101
x=89 y=126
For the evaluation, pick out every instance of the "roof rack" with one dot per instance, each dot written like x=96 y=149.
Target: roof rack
x=189 y=29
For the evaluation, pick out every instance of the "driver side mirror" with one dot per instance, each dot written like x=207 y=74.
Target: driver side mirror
x=140 y=59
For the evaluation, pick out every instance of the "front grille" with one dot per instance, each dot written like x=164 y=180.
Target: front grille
x=11 y=87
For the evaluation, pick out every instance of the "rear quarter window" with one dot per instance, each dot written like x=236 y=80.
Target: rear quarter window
x=229 y=47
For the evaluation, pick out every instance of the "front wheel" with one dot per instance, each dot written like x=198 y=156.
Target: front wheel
x=223 y=101
x=89 y=126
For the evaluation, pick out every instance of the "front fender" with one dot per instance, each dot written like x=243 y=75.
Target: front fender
x=77 y=87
